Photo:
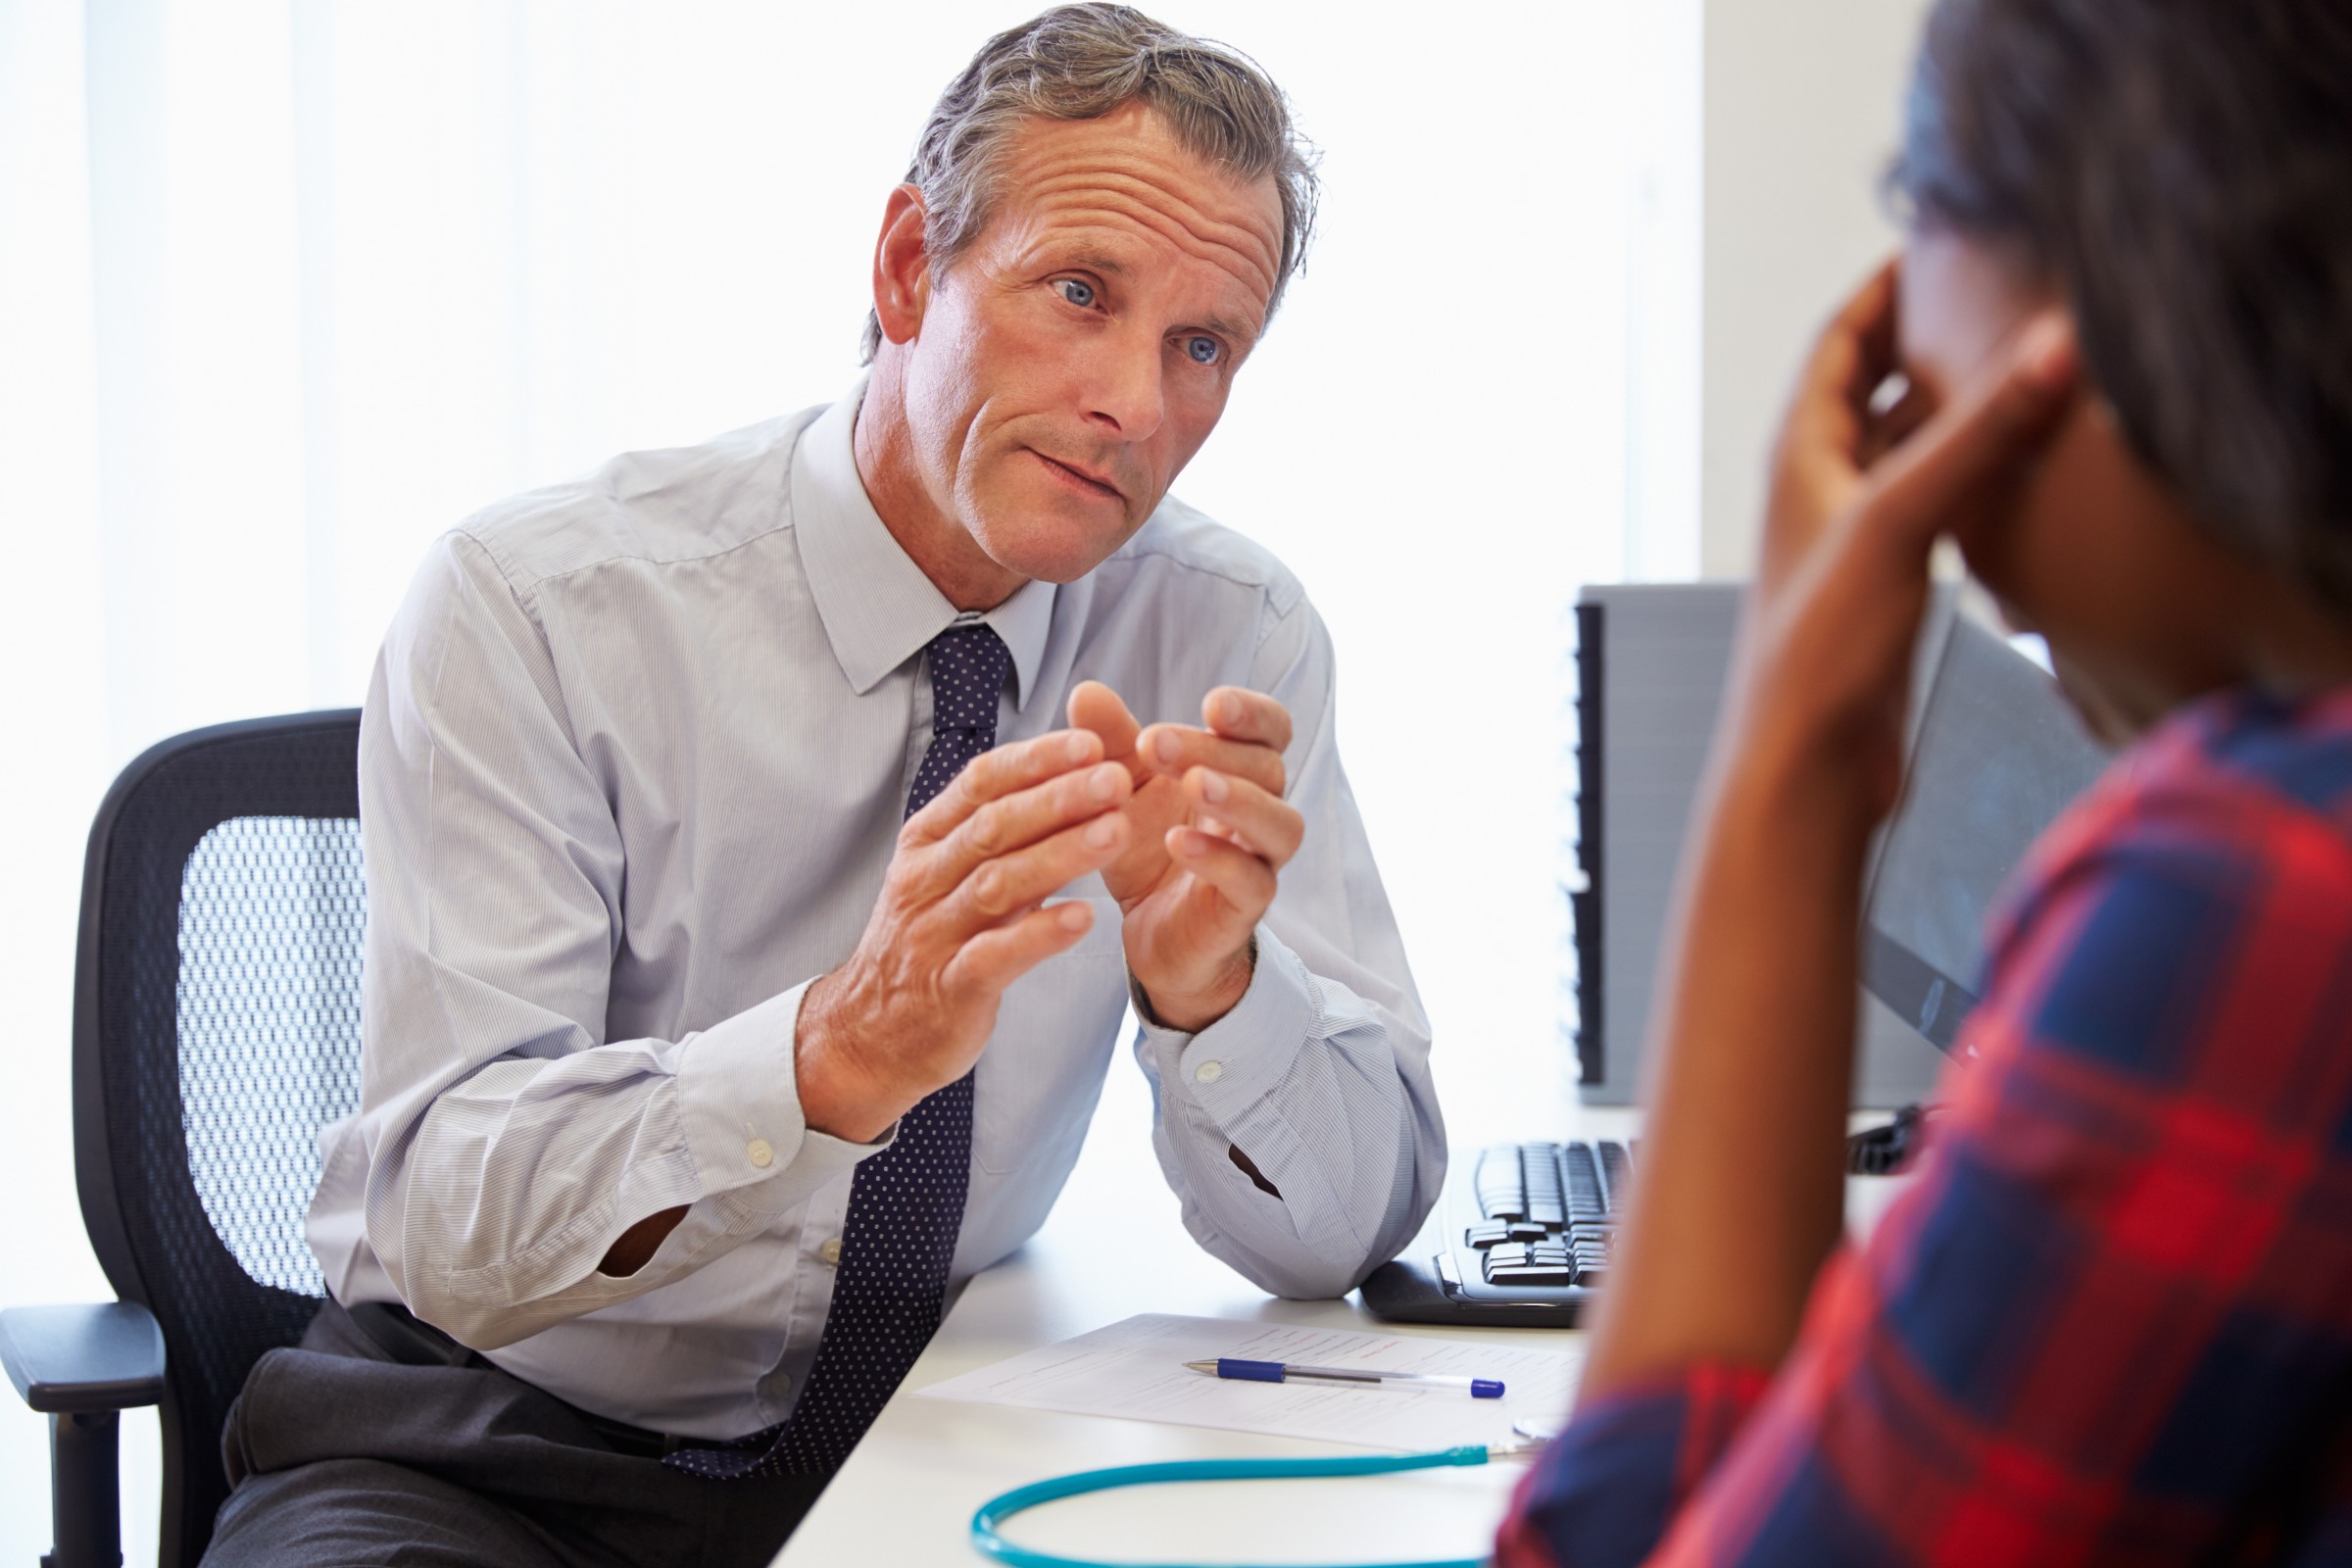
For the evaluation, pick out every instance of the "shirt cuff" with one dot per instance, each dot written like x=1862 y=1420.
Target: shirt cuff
x=1244 y=1055
x=740 y=1099
x=1608 y=1489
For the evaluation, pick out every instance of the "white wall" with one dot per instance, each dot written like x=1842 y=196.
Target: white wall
x=1665 y=186
x=1802 y=103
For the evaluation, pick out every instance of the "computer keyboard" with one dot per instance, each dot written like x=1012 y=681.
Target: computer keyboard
x=1522 y=1236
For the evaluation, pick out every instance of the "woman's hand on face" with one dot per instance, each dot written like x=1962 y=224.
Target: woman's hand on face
x=1861 y=489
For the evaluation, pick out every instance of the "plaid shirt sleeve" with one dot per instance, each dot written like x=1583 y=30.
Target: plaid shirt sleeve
x=2112 y=1319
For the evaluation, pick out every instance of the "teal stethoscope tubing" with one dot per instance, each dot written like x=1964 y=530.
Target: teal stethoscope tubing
x=998 y=1509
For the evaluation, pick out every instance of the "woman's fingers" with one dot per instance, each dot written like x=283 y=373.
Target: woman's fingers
x=1818 y=461
x=1895 y=424
x=1851 y=356
x=1927 y=486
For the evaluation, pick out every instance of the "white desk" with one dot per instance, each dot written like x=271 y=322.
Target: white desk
x=1114 y=1247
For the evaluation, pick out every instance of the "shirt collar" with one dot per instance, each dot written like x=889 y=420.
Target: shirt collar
x=878 y=608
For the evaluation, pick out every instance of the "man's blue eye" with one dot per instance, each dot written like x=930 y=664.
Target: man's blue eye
x=1076 y=290
x=1204 y=350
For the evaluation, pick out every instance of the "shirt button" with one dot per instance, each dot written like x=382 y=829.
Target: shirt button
x=759 y=1153
x=831 y=1250
x=1209 y=1072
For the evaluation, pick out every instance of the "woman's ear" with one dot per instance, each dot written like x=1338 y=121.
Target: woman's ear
x=902 y=266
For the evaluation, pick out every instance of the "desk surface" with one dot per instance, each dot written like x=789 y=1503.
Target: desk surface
x=1112 y=1247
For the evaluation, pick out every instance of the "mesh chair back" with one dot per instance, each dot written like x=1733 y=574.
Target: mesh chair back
x=215 y=1029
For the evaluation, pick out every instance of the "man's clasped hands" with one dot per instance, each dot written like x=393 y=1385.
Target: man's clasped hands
x=1188 y=827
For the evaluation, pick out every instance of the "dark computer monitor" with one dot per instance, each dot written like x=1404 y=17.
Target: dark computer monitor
x=1996 y=753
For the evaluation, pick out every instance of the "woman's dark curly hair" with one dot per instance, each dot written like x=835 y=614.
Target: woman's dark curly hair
x=2181 y=169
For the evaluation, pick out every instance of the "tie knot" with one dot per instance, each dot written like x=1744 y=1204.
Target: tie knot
x=968 y=667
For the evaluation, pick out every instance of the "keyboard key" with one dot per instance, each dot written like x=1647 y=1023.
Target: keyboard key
x=1545 y=1218
x=1501 y=1185
x=1530 y=1274
x=1584 y=1193
x=1615 y=1171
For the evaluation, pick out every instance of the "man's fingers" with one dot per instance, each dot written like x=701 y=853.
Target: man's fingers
x=1174 y=749
x=1010 y=884
x=1925 y=486
x=1001 y=772
x=1097 y=709
x=1241 y=714
x=991 y=959
x=1244 y=880
x=1266 y=824
x=1018 y=820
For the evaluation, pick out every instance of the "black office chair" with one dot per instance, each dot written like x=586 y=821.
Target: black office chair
x=215 y=1029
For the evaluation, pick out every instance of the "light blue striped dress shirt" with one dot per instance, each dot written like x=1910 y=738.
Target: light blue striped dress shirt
x=632 y=765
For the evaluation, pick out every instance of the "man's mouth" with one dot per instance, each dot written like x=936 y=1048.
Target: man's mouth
x=1081 y=476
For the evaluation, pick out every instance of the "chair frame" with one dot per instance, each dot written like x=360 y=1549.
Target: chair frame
x=84 y=1364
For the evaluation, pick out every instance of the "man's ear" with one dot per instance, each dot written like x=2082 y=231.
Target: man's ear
x=902 y=266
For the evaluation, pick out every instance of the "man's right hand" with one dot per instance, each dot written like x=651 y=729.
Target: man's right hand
x=958 y=920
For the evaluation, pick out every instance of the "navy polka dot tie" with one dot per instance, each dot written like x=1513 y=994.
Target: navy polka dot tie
x=906 y=1203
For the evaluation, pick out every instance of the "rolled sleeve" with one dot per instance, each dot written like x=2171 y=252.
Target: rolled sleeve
x=1244 y=1056
x=741 y=1106
x=1299 y=1077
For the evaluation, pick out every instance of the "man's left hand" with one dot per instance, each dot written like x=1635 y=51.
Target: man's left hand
x=1212 y=835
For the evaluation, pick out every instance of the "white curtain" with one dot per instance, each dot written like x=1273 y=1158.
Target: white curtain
x=287 y=288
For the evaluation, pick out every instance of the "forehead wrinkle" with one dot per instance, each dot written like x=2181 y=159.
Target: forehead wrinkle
x=1056 y=177
x=1230 y=249
x=1206 y=227
x=1151 y=171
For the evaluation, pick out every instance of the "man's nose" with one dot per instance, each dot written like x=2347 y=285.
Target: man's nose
x=1128 y=395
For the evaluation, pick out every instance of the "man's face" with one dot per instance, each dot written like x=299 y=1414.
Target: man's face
x=1069 y=364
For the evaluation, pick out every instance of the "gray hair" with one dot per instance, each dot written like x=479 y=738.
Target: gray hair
x=1081 y=62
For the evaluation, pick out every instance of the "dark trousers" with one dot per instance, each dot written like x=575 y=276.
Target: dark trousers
x=360 y=1446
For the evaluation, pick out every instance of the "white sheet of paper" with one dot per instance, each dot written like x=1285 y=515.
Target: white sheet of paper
x=1136 y=1370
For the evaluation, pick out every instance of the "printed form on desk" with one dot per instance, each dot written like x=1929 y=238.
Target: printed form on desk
x=1136 y=1370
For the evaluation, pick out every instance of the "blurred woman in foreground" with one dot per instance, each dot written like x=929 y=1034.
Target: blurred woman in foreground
x=2111 y=1321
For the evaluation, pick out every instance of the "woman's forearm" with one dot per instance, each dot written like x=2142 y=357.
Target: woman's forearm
x=1740 y=1195
x=1737 y=1194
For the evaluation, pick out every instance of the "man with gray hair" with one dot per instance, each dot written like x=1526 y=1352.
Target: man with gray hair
x=765 y=839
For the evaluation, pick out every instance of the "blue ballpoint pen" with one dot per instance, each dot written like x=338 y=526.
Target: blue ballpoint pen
x=1282 y=1372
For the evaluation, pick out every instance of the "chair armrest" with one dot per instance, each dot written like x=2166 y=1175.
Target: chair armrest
x=77 y=1360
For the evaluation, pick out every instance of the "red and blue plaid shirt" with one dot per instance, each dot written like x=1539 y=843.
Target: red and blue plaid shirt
x=2112 y=1319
